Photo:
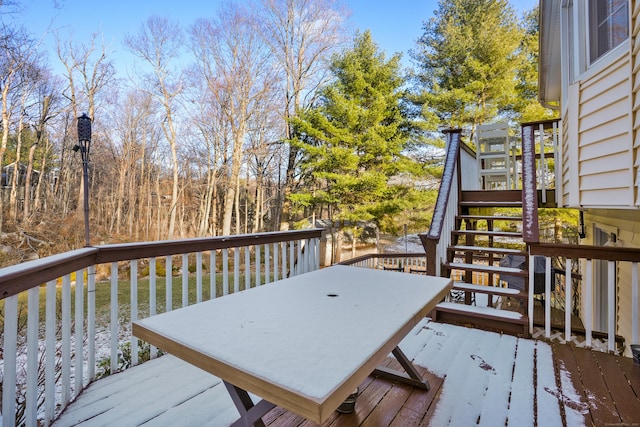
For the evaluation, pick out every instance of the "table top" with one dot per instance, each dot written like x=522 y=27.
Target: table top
x=303 y=343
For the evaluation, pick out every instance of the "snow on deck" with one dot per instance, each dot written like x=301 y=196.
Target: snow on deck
x=487 y=377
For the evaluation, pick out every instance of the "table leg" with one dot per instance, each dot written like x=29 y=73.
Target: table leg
x=411 y=375
x=250 y=414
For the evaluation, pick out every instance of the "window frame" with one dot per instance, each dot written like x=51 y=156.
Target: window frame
x=576 y=61
x=598 y=27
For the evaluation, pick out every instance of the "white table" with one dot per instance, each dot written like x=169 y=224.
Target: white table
x=302 y=343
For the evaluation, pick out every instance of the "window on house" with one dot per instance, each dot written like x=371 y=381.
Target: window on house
x=608 y=26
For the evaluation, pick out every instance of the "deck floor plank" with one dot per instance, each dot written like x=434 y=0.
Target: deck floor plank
x=631 y=372
x=417 y=405
x=575 y=408
x=386 y=411
x=520 y=412
x=621 y=391
x=507 y=388
x=599 y=398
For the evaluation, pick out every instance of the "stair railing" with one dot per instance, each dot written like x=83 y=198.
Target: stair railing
x=438 y=238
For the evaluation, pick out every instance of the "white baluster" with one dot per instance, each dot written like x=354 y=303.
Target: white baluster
x=91 y=323
x=611 y=310
x=257 y=264
x=284 y=259
x=299 y=264
x=33 y=319
x=267 y=263
x=50 y=357
x=532 y=271
x=547 y=298
x=276 y=262
x=185 y=280
x=236 y=269
x=247 y=267
x=568 y=300
x=212 y=274
x=134 y=308
x=292 y=258
x=65 y=354
x=168 y=284
x=225 y=271
x=115 y=323
x=153 y=353
x=589 y=304
x=198 y=277
x=10 y=349
x=79 y=337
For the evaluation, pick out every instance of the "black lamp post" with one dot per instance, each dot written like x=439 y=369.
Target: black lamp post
x=84 y=145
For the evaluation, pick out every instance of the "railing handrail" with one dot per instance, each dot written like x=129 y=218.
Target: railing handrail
x=21 y=277
x=382 y=255
x=450 y=179
x=547 y=124
x=608 y=253
x=448 y=175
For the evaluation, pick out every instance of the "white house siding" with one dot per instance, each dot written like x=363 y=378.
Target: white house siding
x=570 y=179
x=605 y=147
x=627 y=224
x=635 y=54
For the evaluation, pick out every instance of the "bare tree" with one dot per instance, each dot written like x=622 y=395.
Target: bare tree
x=89 y=71
x=47 y=104
x=302 y=34
x=158 y=44
x=211 y=139
x=237 y=66
x=16 y=49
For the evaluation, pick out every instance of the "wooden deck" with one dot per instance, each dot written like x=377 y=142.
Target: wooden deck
x=476 y=377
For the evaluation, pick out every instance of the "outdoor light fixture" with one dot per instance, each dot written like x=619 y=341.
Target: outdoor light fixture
x=582 y=232
x=84 y=145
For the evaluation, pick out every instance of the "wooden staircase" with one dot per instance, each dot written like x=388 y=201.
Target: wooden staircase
x=485 y=234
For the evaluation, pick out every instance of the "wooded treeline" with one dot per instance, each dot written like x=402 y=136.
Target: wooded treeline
x=248 y=121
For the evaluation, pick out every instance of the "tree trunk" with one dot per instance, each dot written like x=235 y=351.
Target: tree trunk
x=13 y=195
x=26 y=208
x=230 y=196
x=236 y=203
x=354 y=242
x=338 y=243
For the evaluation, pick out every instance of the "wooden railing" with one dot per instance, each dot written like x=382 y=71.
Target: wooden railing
x=437 y=240
x=49 y=348
x=406 y=262
x=623 y=264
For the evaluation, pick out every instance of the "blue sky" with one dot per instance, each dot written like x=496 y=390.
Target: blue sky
x=394 y=25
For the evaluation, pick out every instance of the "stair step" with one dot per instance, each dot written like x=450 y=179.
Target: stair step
x=493 y=290
x=488 y=233
x=503 y=251
x=486 y=268
x=490 y=217
x=491 y=204
x=491 y=196
x=484 y=312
